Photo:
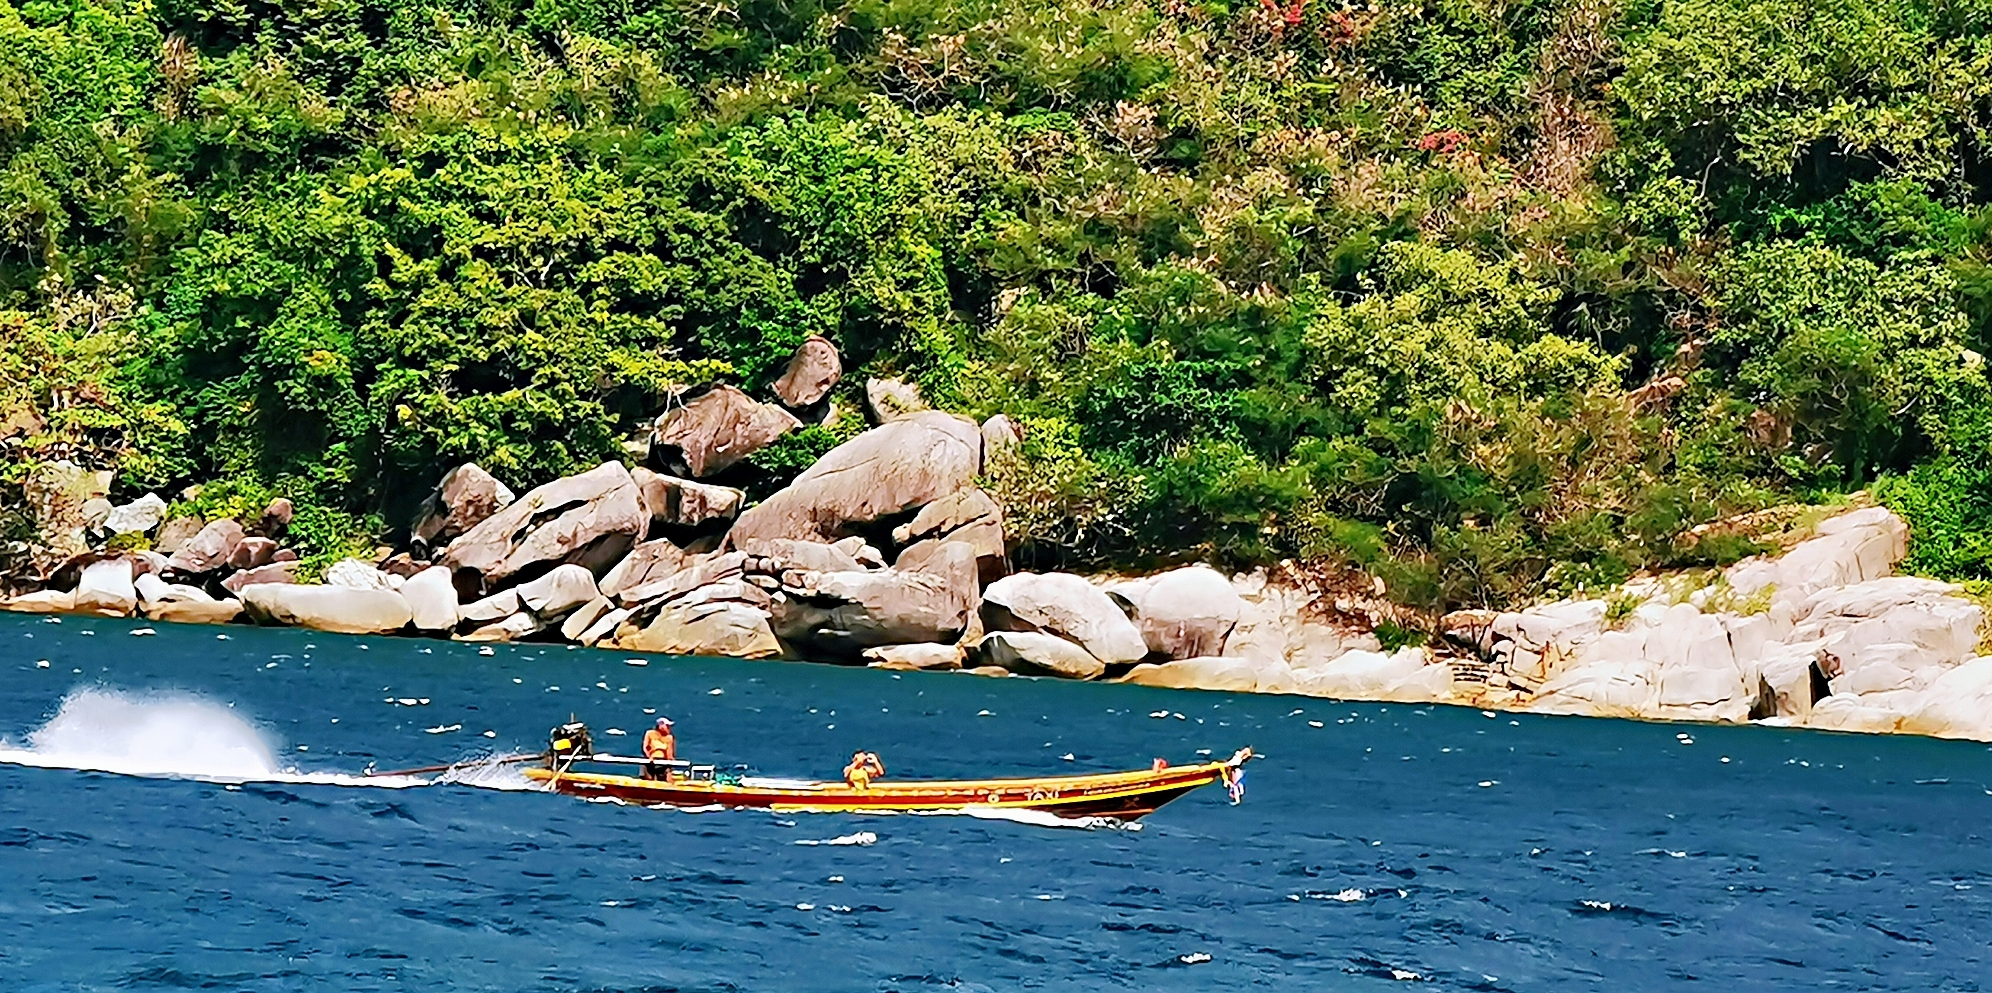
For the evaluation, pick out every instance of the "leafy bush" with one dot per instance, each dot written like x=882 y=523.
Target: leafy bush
x=1489 y=302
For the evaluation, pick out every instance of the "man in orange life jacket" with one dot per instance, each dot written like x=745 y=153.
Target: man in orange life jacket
x=659 y=745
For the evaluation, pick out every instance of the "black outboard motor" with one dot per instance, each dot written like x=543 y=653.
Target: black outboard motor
x=567 y=743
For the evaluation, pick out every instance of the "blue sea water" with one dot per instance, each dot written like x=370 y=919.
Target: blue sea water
x=1378 y=846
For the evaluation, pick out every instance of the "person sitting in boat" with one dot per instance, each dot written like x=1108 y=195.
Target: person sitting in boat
x=659 y=745
x=864 y=765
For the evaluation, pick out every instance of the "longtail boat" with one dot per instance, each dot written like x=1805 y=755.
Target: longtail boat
x=1122 y=795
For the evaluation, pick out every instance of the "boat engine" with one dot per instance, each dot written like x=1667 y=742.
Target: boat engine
x=567 y=743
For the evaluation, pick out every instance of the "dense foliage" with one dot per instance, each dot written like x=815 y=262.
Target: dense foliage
x=1486 y=297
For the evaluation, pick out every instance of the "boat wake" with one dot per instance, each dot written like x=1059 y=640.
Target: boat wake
x=165 y=736
x=1039 y=818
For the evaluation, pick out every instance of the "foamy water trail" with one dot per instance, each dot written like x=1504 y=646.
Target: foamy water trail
x=1040 y=818
x=165 y=736
x=493 y=773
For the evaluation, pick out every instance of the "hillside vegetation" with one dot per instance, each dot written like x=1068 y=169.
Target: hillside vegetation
x=1488 y=299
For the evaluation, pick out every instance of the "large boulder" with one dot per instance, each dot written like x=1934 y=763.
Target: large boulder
x=511 y=628
x=1183 y=613
x=714 y=430
x=495 y=607
x=1957 y=704
x=153 y=590
x=591 y=520
x=646 y=563
x=360 y=575
x=719 y=628
x=1851 y=548
x=175 y=533
x=1408 y=675
x=674 y=502
x=927 y=655
x=813 y=371
x=276 y=518
x=432 y=599
x=893 y=399
x=41 y=602
x=702 y=571
x=252 y=552
x=137 y=517
x=1000 y=435
x=339 y=609
x=195 y=611
x=209 y=550
x=1230 y=675
x=842 y=613
x=812 y=556
x=1849 y=713
x=1065 y=605
x=275 y=572
x=106 y=588
x=558 y=592
x=881 y=473
x=585 y=617
x=1034 y=654
x=465 y=498
x=969 y=516
x=56 y=493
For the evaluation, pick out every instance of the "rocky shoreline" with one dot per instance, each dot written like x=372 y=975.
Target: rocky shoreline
x=886 y=552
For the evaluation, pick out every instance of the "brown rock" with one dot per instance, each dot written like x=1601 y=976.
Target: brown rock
x=402 y=564
x=590 y=520
x=810 y=556
x=276 y=518
x=843 y=613
x=922 y=656
x=674 y=502
x=885 y=471
x=520 y=625
x=340 y=609
x=722 y=628
x=275 y=572
x=813 y=371
x=714 y=430
x=703 y=572
x=1036 y=654
x=465 y=498
x=284 y=555
x=252 y=552
x=41 y=602
x=646 y=563
x=1067 y=606
x=969 y=516
x=209 y=550
x=106 y=588
x=893 y=399
x=56 y=493
x=1000 y=434
x=195 y=611
x=1183 y=613
x=177 y=532
x=559 y=592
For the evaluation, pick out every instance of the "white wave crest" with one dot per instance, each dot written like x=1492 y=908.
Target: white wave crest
x=493 y=773
x=165 y=736
x=1040 y=818
x=860 y=838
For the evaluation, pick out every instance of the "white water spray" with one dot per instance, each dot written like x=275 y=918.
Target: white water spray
x=164 y=735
